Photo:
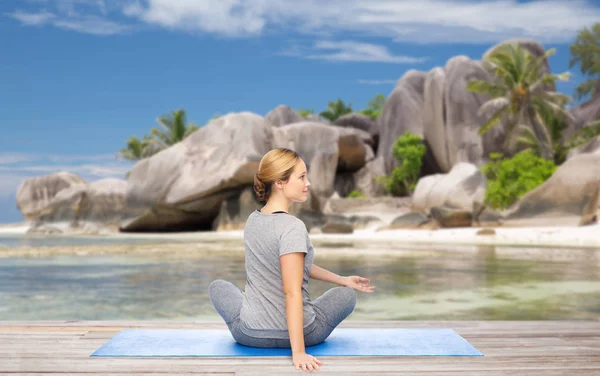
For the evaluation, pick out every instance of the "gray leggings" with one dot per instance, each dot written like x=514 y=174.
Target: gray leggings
x=331 y=309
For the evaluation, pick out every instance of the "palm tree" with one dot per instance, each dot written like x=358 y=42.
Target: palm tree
x=174 y=129
x=586 y=51
x=555 y=125
x=518 y=94
x=336 y=109
x=137 y=149
x=375 y=107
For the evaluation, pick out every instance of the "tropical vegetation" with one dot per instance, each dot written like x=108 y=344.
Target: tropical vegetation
x=336 y=109
x=173 y=129
x=510 y=178
x=375 y=107
x=519 y=94
x=585 y=52
x=408 y=150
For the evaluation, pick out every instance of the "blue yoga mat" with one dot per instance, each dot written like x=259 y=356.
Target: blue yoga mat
x=341 y=342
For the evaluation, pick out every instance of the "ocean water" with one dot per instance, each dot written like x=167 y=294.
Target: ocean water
x=424 y=283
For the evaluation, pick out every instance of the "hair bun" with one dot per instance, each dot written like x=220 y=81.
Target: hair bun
x=260 y=189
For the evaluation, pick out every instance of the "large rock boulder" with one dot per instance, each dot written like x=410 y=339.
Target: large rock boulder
x=235 y=211
x=409 y=221
x=35 y=194
x=317 y=144
x=568 y=198
x=463 y=121
x=360 y=121
x=462 y=186
x=403 y=111
x=366 y=180
x=585 y=113
x=283 y=115
x=183 y=187
x=448 y=216
x=593 y=146
x=434 y=118
x=88 y=208
x=451 y=117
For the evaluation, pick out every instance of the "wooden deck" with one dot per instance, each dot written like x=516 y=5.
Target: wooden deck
x=511 y=348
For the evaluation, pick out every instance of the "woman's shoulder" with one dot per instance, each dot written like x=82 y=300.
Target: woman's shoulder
x=291 y=223
x=279 y=222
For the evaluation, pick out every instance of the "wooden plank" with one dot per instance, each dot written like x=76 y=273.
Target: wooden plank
x=374 y=367
x=537 y=347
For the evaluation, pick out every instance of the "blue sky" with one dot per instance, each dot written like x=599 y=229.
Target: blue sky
x=81 y=76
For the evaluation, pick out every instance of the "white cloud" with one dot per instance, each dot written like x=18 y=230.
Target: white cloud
x=32 y=19
x=377 y=82
x=349 y=51
x=227 y=17
x=355 y=51
x=85 y=16
x=91 y=25
x=423 y=21
x=10 y=158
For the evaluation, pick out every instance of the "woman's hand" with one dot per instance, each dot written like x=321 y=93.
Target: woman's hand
x=358 y=283
x=306 y=362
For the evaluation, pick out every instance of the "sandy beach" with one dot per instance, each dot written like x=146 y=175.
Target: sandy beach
x=553 y=237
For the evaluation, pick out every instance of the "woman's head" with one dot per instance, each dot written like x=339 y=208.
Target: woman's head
x=281 y=172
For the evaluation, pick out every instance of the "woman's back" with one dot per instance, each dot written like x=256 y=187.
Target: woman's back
x=266 y=238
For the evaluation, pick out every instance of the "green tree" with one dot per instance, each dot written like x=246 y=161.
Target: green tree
x=518 y=94
x=375 y=107
x=304 y=112
x=137 y=149
x=409 y=150
x=585 y=51
x=336 y=109
x=555 y=125
x=175 y=128
x=509 y=179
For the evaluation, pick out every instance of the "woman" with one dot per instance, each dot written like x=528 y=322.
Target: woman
x=276 y=309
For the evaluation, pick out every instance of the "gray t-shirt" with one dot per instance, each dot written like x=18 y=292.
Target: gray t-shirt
x=266 y=238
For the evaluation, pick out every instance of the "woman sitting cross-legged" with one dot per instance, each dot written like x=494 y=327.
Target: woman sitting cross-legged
x=276 y=310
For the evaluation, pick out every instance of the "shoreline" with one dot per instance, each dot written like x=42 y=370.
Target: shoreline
x=389 y=241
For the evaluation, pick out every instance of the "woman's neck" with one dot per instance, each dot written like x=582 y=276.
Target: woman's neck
x=270 y=208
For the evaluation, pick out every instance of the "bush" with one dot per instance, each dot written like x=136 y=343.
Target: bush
x=509 y=179
x=409 y=150
x=356 y=194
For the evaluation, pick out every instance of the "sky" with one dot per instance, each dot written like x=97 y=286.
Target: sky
x=79 y=77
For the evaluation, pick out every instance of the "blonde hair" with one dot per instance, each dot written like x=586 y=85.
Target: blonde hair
x=277 y=164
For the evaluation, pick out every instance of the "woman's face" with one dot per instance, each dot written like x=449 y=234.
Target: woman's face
x=296 y=188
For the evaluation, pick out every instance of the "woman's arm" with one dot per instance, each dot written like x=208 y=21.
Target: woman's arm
x=353 y=281
x=292 y=270
x=325 y=275
x=292 y=273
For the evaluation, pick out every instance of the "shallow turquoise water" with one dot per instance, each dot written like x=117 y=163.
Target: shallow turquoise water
x=474 y=283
